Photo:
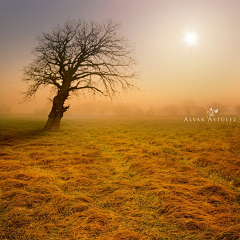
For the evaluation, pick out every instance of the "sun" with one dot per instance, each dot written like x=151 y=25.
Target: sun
x=191 y=38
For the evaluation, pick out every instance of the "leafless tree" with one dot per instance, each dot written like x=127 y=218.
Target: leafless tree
x=170 y=110
x=188 y=106
x=80 y=56
x=237 y=109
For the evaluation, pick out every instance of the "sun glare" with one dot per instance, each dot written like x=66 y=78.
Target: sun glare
x=191 y=38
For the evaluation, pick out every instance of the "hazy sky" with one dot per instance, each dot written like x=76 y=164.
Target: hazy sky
x=170 y=70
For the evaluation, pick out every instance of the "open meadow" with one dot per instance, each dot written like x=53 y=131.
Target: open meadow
x=119 y=179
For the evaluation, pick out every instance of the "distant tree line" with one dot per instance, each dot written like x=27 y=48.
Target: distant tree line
x=186 y=108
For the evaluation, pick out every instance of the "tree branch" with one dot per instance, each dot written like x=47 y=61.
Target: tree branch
x=82 y=55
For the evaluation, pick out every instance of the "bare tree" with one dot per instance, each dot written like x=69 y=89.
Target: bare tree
x=237 y=109
x=80 y=56
x=170 y=110
x=188 y=106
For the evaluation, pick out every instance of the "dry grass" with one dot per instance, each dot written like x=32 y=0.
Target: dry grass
x=120 y=179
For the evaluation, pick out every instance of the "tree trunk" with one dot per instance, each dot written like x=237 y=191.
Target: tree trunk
x=56 y=114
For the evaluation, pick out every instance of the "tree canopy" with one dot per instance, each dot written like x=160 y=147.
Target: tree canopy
x=81 y=56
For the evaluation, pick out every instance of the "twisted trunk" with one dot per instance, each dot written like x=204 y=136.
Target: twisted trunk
x=56 y=114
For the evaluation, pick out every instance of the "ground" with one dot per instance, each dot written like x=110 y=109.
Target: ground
x=119 y=179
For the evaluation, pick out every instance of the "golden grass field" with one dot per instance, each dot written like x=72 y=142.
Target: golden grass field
x=119 y=179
